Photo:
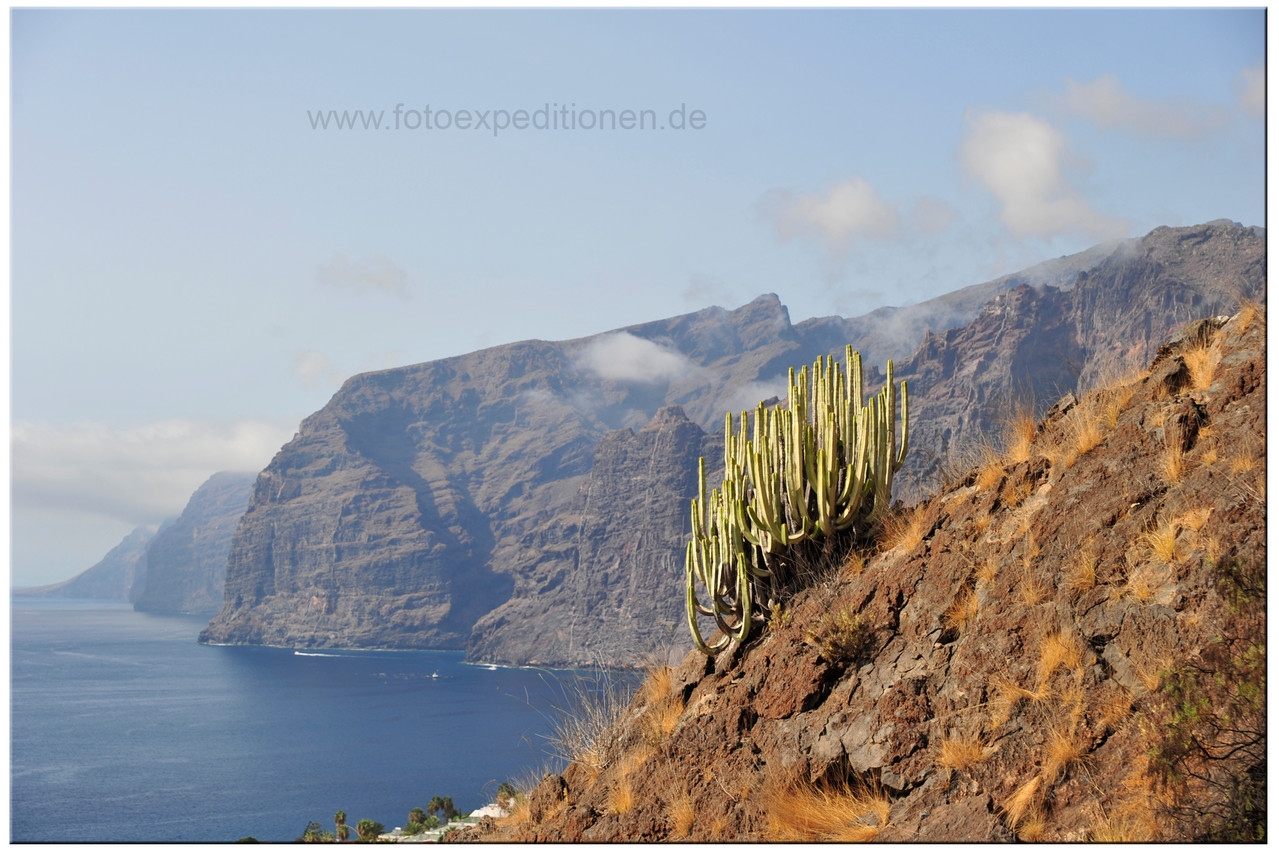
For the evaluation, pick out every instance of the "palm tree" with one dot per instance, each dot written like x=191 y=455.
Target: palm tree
x=446 y=806
x=435 y=805
x=416 y=815
x=369 y=829
x=339 y=821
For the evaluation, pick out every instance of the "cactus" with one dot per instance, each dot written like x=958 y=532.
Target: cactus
x=822 y=465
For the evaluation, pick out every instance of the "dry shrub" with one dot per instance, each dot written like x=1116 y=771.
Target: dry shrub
x=587 y=728
x=902 y=528
x=844 y=812
x=989 y=474
x=1210 y=456
x=1193 y=519
x=960 y=753
x=657 y=686
x=1032 y=827
x=681 y=814
x=839 y=634
x=1146 y=583
x=854 y=564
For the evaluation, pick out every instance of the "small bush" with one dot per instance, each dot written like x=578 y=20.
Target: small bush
x=840 y=635
x=844 y=812
x=960 y=753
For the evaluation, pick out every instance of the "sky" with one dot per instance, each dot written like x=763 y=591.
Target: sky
x=200 y=256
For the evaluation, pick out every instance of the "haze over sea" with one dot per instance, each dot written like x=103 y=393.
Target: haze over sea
x=123 y=728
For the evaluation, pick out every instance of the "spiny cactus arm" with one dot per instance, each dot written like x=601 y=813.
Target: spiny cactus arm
x=905 y=443
x=694 y=607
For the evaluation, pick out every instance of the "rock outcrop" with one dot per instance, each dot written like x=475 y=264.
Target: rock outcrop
x=112 y=578
x=448 y=504
x=1066 y=644
x=185 y=563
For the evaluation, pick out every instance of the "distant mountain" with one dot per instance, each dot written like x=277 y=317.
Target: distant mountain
x=110 y=578
x=186 y=561
x=523 y=501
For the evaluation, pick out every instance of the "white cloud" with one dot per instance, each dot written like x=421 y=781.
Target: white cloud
x=1250 y=91
x=848 y=210
x=375 y=273
x=138 y=475
x=1021 y=159
x=623 y=357
x=1106 y=103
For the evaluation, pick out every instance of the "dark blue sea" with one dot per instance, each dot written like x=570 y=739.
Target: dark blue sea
x=123 y=728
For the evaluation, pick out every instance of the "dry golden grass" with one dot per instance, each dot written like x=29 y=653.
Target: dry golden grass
x=854 y=564
x=989 y=474
x=1193 y=519
x=961 y=610
x=1013 y=493
x=1145 y=583
x=1006 y=695
x=903 y=529
x=621 y=796
x=802 y=811
x=987 y=571
x=1081 y=568
x=1085 y=430
x=1060 y=649
x=1114 y=707
x=1151 y=673
x=520 y=814
x=662 y=718
x=1063 y=750
x=1019 y=433
x=982 y=522
x=1032 y=591
x=1161 y=540
x=1033 y=825
x=1248 y=312
x=1210 y=456
x=657 y=686
x=1023 y=800
x=1172 y=463
x=960 y=753
x=1241 y=462
x=681 y=814
x=1201 y=361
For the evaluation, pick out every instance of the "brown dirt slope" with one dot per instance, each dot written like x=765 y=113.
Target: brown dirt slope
x=1065 y=645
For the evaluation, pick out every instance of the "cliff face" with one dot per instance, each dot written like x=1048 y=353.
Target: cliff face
x=1066 y=644
x=401 y=512
x=185 y=564
x=478 y=501
x=112 y=578
x=595 y=580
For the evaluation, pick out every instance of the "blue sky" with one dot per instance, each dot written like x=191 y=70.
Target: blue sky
x=195 y=268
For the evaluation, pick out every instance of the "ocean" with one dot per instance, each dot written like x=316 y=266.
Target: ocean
x=125 y=729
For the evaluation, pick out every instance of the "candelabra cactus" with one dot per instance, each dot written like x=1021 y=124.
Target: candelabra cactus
x=821 y=465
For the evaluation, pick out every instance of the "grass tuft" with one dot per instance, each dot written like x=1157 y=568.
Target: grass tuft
x=681 y=814
x=846 y=812
x=962 y=609
x=960 y=753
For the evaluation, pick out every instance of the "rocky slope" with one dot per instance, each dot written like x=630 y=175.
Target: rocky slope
x=111 y=578
x=1065 y=644
x=185 y=563
x=449 y=504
